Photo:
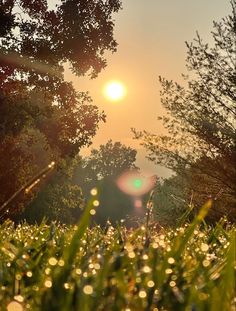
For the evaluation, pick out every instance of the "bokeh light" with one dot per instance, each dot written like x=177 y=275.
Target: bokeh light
x=14 y=306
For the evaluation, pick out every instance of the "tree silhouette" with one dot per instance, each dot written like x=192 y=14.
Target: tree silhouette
x=101 y=170
x=36 y=42
x=200 y=118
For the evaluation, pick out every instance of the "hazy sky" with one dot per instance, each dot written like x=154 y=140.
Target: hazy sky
x=151 y=36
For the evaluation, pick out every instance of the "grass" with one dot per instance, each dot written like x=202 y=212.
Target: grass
x=56 y=267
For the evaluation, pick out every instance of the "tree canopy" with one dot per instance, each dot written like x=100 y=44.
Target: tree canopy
x=200 y=117
x=70 y=187
x=101 y=170
x=35 y=43
x=41 y=113
x=110 y=160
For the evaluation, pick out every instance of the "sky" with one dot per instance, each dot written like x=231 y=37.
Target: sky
x=151 y=37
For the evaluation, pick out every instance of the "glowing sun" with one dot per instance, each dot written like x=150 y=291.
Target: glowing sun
x=114 y=90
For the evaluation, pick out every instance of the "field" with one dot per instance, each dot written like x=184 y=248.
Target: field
x=54 y=267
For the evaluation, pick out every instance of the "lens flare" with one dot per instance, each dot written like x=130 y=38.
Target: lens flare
x=138 y=203
x=26 y=63
x=135 y=184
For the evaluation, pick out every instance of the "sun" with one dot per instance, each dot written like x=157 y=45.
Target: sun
x=115 y=90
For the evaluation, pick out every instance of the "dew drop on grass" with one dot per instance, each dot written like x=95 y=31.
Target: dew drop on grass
x=97 y=266
x=96 y=203
x=171 y=261
x=66 y=285
x=146 y=269
x=92 y=212
x=61 y=263
x=150 y=283
x=174 y=277
x=52 y=261
x=29 y=274
x=19 y=298
x=94 y=191
x=168 y=271
x=48 y=283
x=154 y=245
x=142 y=294
x=206 y=263
x=14 y=306
x=47 y=271
x=78 y=271
x=131 y=255
x=204 y=247
x=18 y=277
x=88 y=289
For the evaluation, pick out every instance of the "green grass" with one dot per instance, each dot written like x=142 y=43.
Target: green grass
x=55 y=268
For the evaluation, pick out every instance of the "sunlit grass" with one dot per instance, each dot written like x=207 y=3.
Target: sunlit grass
x=80 y=268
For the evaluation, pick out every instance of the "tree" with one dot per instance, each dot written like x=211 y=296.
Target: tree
x=61 y=200
x=110 y=159
x=36 y=41
x=69 y=189
x=101 y=170
x=35 y=44
x=200 y=118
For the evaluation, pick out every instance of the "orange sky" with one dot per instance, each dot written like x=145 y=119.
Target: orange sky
x=151 y=36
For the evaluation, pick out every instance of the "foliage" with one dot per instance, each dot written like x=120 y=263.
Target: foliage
x=20 y=162
x=190 y=190
x=101 y=170
x=115 y=205
x=171 y=197
x=200 y=119
x=33 y=51
x=61 y=200
x=36 y=41
x=78 y=32
x=80 y=268
x=111 y=159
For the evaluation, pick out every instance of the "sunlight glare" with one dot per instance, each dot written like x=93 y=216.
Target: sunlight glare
x=115 y=90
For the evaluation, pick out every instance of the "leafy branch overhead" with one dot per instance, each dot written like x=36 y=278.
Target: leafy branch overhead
x=78 y=32
x=45 y=116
